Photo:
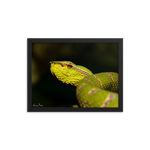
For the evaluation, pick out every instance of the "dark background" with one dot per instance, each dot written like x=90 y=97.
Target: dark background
x=46 y=91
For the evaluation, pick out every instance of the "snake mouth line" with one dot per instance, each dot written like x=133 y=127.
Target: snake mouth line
x=55 y=68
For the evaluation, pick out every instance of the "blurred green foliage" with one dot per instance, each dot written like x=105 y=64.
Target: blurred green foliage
x=46 y=91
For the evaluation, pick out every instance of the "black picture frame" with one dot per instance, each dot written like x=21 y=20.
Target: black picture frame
x=31 y=41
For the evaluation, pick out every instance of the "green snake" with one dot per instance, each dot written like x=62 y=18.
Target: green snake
x=92 y=90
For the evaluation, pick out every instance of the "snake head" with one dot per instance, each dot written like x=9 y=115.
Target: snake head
x=67 y=72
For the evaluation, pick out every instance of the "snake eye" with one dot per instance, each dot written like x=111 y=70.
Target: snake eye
x=69 y=65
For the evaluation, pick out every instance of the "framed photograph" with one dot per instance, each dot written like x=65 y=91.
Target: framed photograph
x=75 y=74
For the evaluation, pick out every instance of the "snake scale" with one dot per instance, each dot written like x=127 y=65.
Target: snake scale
x=92 y=90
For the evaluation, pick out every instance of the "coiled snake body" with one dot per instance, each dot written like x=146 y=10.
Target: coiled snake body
x=92 y=90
